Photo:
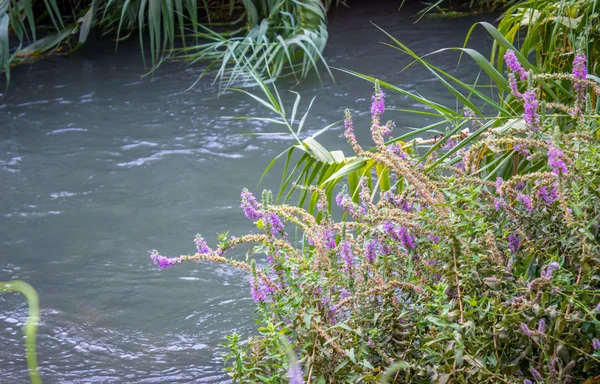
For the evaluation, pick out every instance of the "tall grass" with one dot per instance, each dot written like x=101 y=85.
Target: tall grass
x=274 y=34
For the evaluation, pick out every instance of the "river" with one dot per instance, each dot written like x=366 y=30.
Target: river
x=99 y=165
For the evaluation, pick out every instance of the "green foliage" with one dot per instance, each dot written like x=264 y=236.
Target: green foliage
x=274 y=36
x=30 y=327
x=551 y=29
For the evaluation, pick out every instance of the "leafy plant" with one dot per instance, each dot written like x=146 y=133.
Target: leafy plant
x=445 y=275
x=273 y=35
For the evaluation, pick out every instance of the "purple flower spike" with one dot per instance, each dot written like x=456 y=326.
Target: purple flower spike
x=536 y=374
x=275 y=225
x=526 y=201
x=371 y=250
x=527 y=381
x=162 y=261
x=201 y=245
x=514 y=65
x=555 y=160
x=530 y=114
x=596 y=344
x=295 y=374
x=514 y=242
x=580 y=73
x=250 y=205
x=542 y=327
x=346 y=254
x=329 y=238
x=378 y=102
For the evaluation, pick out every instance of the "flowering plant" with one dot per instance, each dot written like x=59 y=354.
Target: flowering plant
x=443 y=275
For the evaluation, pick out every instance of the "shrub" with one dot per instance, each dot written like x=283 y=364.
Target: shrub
x=443 y=275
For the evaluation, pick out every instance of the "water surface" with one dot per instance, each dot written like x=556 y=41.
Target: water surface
x=99 y=165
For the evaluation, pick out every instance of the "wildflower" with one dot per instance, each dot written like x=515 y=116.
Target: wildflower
x=434 y=239
x=580 y=73
x=371 y=250
x=526 y=201
x=547 y=197
x=514 y=242
x=530 y=109
x=527 y=381
x=162 y=261
x=370 y=343
x=259 y=290
x=397 y=149
x=450 y=144
x=387 y=130
x=499 y=183
x=554 y=266
x=514 y=65
x=542 y=327
x=378 y=102
x=295 y=374
x=346 y=254
x=522 y=150
x=520 y=186
x=329 y=238
x=526 y=329
x=596 y=344
x=201 y=245
x=275 y=224
x=348 y=126
x=250 y=205
x=499 y=204
x=555 y=160
x=536 y=374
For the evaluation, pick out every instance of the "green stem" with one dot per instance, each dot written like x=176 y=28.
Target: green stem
x=30 y=327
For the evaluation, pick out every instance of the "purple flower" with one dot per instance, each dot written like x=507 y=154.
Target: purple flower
x=542 y=327
x=530 y=109
x=555 y=160
x=346 y=254
x=520 y=186
x=499 y=204
x=554 y=266
x=526 y=201
x=526 y=330
x=371 y=250
x=434 y=239
x=250 y=205
x=162 y=261
x=259 y=290
x=580 y=73
x=400 y=234
x=522 y=150
x=596 y=344
x=499 y=183
x=514 y=242
x=397 y=149
x=295 y=374
x=536 y=375
x=598 y=307
x=275 y=224
x=201 y=245
x=527 y=381
x=329 y=238
x=377 y=102
x=387 y=130
x=547 y=197
x=514 y=65
x=348 y=126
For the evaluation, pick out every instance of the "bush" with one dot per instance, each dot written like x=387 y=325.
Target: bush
x=444 y=275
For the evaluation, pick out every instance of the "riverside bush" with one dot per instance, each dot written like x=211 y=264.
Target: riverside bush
x=443 y=275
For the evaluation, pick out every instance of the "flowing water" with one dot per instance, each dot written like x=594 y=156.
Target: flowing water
x=99 y=165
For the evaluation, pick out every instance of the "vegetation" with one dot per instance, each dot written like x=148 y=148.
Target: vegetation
x=278 y=36
x=445 y=275
x=30 y=327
